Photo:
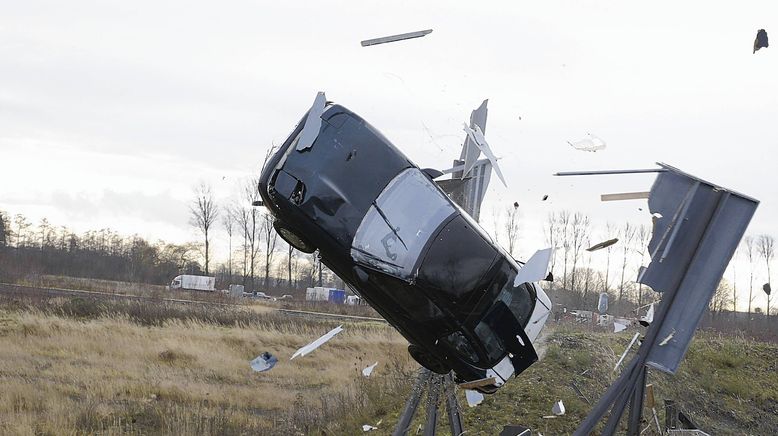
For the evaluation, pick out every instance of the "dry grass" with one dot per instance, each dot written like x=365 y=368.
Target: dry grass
x=109 y=373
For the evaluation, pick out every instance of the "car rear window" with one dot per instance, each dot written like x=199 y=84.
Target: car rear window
x=399 y=223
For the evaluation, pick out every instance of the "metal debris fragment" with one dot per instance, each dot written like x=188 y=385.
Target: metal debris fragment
x=623 y=355
x=312 y=123
x=478 y=383
x=602 y=303
x=603 y=244
x=369 y=370
x=474 y=398
x=766 y=288
x=545 y=197
x=477 y=136
x=649 y=317
x=367 y=427
x=395 y=38
x=592 y=143
x=761 y=40
x=666 y=340
x=618 y=327
x=317 y=343
x=624 y=196
x=535 y=268
x=558 y=409
x=264 y=362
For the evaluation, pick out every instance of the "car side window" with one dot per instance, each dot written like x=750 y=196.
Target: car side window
x=399 y=224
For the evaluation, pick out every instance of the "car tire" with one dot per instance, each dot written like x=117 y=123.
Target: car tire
x=293 y=238
x=427 y=360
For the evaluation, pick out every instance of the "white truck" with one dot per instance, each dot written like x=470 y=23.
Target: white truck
x=194 y=283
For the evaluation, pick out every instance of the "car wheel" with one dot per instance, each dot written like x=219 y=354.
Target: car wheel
x=427 y=360
x=292 y=238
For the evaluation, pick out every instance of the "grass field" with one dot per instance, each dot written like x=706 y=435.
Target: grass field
x=84 y=366
x=111 y=368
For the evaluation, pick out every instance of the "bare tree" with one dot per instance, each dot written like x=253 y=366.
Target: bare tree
x=766 y=248
x=721 y=300
x=228 y=220
x=249 y=221
x=750 y=254
x=203 y=214
x=579 y=232
x=270 y=245
x=627 y=234
x=642 y=237
x=511 y=227
x=563 y=223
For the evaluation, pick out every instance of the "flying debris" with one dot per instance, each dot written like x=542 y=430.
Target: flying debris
x=649 y=317
x=535 y=268
x=618 y=327
x=592 y=143
x=477 y=136
x=474 y=398
x=394 y=38
x=363 y=217
x=264 y=362
x=515 y=430
x=602 y=303
x=317 y=343
x=369 y=370
x=604 y=244
x=761 y=40
x=312 y=123
x=558 y=409
x=515 y=204
x=624 y=354
x=545 y=197
x=766 y=288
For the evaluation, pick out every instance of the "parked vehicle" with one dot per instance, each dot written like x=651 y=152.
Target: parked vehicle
x=385 y=227
x=193 y=283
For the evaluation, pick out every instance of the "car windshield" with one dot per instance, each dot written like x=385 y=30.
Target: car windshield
x=399 y=223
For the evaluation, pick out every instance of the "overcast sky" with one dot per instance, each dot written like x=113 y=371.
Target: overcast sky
x=110 y=111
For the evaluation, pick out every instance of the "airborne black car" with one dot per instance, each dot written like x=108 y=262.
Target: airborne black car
x=384 y=226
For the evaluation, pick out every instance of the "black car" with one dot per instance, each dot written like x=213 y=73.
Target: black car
x=385 y=227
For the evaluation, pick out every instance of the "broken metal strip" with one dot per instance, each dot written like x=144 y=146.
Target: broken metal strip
x=478 y=383
x=625 y=196
x=606 y=172
x=433 y=399
x=394 y=38
x=462 y=167
x=629 y=347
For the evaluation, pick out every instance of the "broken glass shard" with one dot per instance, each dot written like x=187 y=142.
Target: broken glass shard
x=317 y=343
x=264 y=362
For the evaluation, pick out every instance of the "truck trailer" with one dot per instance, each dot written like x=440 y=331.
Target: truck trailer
x=194 y=283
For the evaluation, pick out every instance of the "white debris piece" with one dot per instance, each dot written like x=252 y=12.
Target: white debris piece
x=368 y=427
x=474 y=398
x=649 y=318
x=317 y=343
x=369 y=370
x=618 y=327
x=666 y=340
x=558 y=409
x=592 y=143
x=312 y=123
x=477 y=136
x=535 y=269
x=623 y=355
x=263 y=362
